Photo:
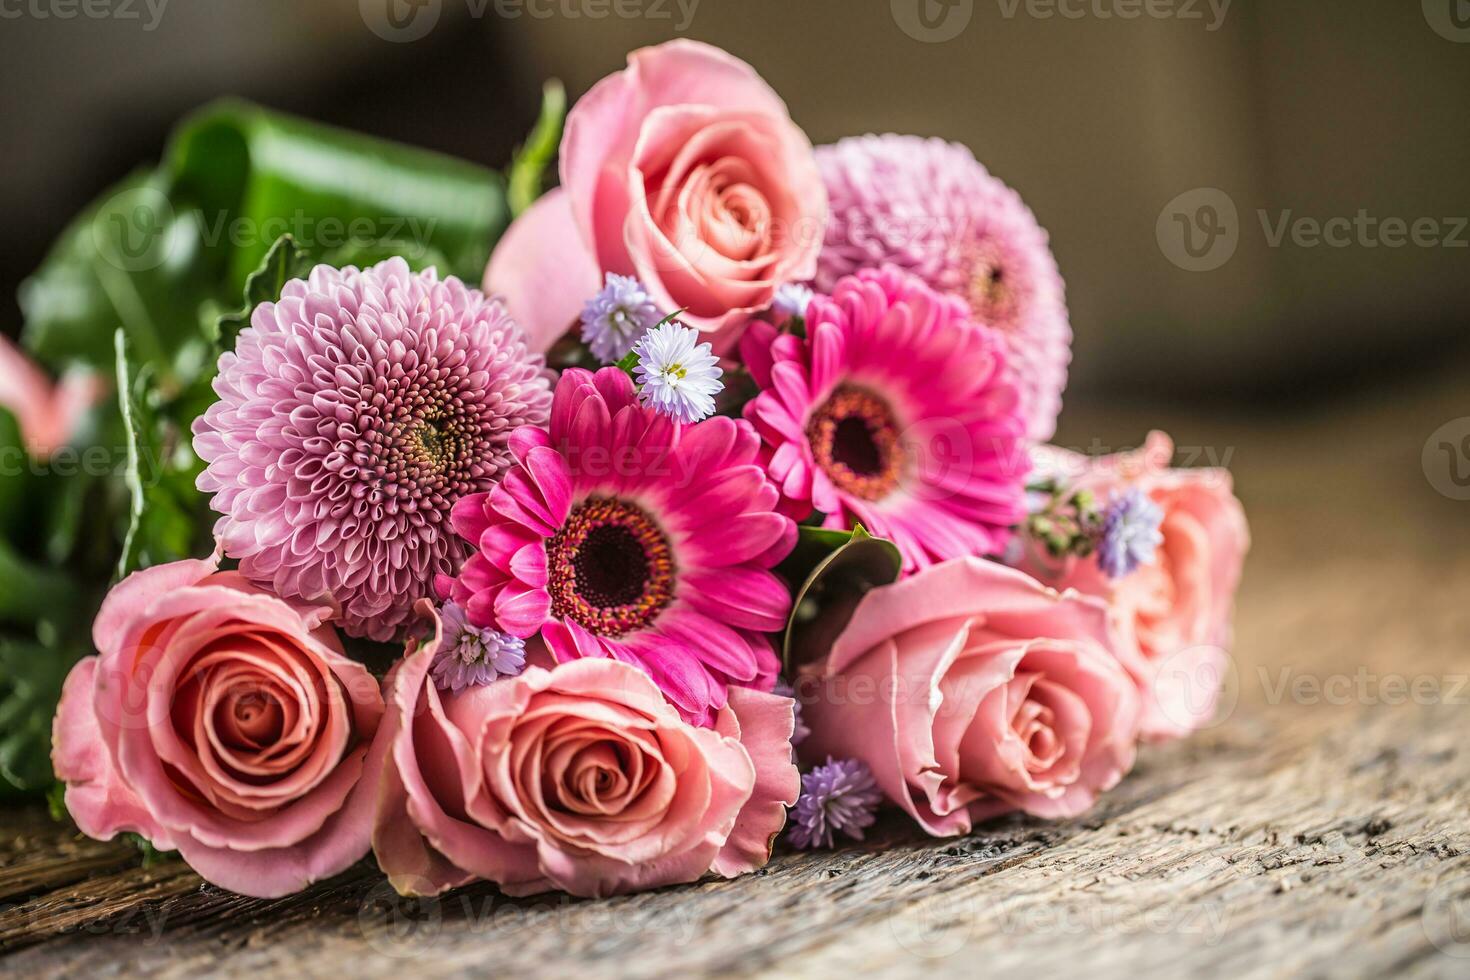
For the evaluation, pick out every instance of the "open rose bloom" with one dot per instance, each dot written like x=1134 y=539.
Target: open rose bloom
x=971 y=690
x=225 y=724
x=1170 y=618
x=683 y=170
x=580 y=777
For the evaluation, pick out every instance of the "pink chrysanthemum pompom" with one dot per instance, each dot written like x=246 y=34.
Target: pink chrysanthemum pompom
x=896 y=412
x=930 y=208
x=353 y=414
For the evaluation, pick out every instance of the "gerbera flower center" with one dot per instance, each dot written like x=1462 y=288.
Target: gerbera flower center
x=610 y=568
x=855 y=440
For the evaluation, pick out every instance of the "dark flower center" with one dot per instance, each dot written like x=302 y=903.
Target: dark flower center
x=855 y=441
x=610 y=568
x=993 y=293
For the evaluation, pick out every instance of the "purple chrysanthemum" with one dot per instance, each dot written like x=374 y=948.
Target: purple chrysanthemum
x=469 y=656
x=1129 y=534
x=614 y=319
x=352 y=415
x=929 y=207
x=839 y=797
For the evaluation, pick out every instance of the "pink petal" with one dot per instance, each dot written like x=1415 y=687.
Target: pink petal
x=543 y=270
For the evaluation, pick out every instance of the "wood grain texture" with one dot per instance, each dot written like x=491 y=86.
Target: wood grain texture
x=1321 y=827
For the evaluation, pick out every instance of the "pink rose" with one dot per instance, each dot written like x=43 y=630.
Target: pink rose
x=581 y=777
x=47 y=415
x=1170 y=619
x=683 y=170
x=224 y=723
x=971 y=690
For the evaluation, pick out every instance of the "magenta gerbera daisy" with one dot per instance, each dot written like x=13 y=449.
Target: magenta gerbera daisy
x=621 y=533
x=929 y=207
x=897 y=412
x=352 y=415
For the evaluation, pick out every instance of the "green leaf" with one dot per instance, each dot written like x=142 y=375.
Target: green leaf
x=528 y=166
x=163 y=252
x=628 y=363
x=160 y=526
x=30 y=592
x=835 y=569
x=15 y=474
x=363 y=253
x=31 y=676
x=285 y=261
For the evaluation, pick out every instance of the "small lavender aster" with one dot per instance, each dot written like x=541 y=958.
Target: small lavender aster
x=469 y=656
x=839 y=796
x=677 y=376
x=792 y=299
x=1129 y=533
x=614 y=319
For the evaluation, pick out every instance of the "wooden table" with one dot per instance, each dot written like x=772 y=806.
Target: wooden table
x=1322 y=826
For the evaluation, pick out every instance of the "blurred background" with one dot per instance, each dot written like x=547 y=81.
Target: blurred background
x=1253 y=203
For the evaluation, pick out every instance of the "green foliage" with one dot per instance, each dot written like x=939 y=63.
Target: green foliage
x=284 y=261
x=30 y=686
x=835 y=570
x=528 y=167
x=163 y=252
x=147 y=286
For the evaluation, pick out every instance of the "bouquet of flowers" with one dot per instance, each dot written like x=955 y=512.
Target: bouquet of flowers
x=722 y=512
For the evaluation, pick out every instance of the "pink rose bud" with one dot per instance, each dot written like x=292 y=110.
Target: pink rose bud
x=971 y=690
x=222 y=722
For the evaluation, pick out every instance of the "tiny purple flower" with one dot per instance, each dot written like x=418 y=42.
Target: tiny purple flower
x=1130 y=533
x=839 y=796
x=469 y=656
x=614 y=319
x=791 y=300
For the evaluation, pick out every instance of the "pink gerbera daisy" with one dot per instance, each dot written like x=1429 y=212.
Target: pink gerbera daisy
x=352 y=415
x=623 y=534
x=930 y=208
x=895 y=412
